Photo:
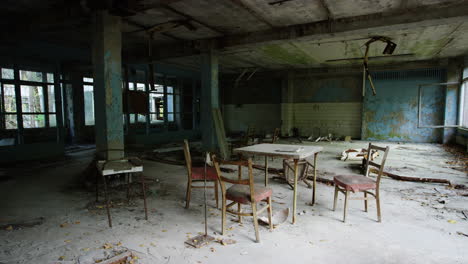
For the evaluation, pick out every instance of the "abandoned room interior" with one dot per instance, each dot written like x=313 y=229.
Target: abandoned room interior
x=233 y=131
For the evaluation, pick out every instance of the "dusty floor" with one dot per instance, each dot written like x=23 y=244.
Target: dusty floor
x=421 y=221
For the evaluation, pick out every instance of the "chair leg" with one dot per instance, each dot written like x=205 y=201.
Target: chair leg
x=239 y=210
x=216 y=193
x=223 y=218
x=270 y=213
x=189 y=193
x=345 y=206
x=336 y=196
x=365 y=202
x=255 y=220
x=379 y=215
x=128 y=186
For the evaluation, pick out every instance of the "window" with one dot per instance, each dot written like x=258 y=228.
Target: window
x=8 y=106
x=36 y=99
x=170 y=102
x=88 y=93
x=464 y=102
x=156 y=97
x=33 y=106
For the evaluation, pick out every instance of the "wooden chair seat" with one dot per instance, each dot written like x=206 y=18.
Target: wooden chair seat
x=355 y=183
x=241 y=193
x=198 y=173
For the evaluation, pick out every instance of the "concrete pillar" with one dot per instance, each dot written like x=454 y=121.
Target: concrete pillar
x=454 y=73
x=287 y=105
x=107 y=63
x=78 y=107
x=209 y=99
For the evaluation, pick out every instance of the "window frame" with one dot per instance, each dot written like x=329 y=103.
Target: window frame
x=17 y=82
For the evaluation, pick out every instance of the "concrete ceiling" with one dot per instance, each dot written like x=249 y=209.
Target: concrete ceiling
x=260 y=33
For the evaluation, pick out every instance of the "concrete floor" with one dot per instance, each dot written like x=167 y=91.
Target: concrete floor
x=420 y=220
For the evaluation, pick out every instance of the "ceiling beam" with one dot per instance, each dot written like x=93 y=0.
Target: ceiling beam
x=173 y=10
x=367 y=25
x=254 y=13
x=144 y=28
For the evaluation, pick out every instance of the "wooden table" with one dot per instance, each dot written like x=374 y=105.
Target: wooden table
x=121 y=166
x=295 y=152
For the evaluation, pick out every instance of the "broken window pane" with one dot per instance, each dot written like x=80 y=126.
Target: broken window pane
x=8 y=74
x=32 y=99
x=51 y=98
x=31 y=76
x=33 y=121
x=10 y=98
x=11 y=122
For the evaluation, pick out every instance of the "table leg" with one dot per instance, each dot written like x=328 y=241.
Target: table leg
x=142 y=177
x=107 y=200
x=97 y=186
x=295 y=191
x=315 y=178
x=266 y=170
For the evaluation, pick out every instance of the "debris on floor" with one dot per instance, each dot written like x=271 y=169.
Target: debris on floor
x=109 y=255
x=279 y=217
x=16 y=225
x=356 y=154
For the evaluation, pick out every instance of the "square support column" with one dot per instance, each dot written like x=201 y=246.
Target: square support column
x=209 y=99
x=107 y=63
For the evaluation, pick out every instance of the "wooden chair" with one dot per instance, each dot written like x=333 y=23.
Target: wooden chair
x=274 y=137
x=196 y=174
x=242 y=192
x=360 y=183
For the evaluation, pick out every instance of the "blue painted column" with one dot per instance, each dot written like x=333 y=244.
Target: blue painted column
x=454 y=72
x=107 y=49
x=209 y=99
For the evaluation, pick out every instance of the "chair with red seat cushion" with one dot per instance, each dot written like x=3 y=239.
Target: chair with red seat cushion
x=360 y=183
x=197 y=174
x=241 y=192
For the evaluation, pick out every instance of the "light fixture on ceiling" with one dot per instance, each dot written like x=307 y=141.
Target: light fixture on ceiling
x=389 y=49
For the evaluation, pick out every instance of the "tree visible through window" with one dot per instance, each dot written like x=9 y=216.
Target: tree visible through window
x=36 y=99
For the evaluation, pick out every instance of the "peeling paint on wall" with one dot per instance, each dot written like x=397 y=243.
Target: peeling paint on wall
x=393 y=113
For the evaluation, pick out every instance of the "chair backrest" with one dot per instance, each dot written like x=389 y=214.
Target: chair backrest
x=240 y=164
x=276 y=135
x=188 y=158
x=379 y=167
x=249 y=133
